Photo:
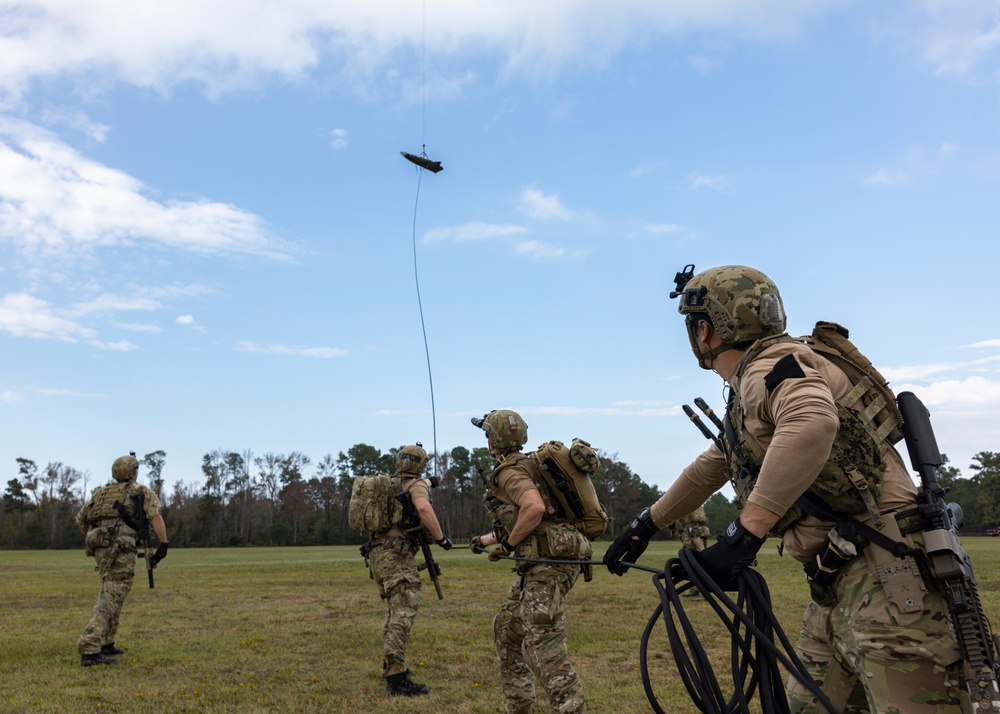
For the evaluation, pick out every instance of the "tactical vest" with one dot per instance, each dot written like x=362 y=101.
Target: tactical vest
x=870 y=424
x=103 y=507
x=563 y=538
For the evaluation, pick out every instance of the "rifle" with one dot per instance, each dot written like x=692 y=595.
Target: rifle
x=418 y=535
x=141 y=526
x=949 y=566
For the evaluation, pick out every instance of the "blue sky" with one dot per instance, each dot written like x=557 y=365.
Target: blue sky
x=207 y=230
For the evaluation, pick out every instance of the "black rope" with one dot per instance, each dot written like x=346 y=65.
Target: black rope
x=759 y=643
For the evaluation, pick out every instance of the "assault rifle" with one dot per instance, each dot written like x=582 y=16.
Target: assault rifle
x=410 y=524
x=949 y=566
x=140 y=524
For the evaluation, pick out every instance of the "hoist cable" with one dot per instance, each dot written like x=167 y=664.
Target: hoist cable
x=423 y=327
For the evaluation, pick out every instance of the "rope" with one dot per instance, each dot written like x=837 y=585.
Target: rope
x=756 y=635
x=423 y=328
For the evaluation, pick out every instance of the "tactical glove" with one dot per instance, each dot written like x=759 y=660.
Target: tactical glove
x=445 y=542
x=731 y=555
x=160 y=554
x=630 y=544
x=502 y=549
x=476 y=545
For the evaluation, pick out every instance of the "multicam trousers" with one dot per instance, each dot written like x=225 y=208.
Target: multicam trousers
x=529 y=635
x=903 y=662
x=116 y=566
x=394 y=568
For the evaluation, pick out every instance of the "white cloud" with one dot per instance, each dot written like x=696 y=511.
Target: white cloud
x=717 y=182
x=53 y=201
x=537 y=249
x=472 y=232
x=338 y=139
x=887 y=177
x=543 y=205
x=24 y=315
x=185 y=320
x=986 y=343
x=230 y=44
x=662 y=227
x=294 y=350
x=957 y=394
x=8 y=396
x=136 y=327
x=646 y=169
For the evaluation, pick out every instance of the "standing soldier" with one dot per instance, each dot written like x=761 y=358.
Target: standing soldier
x=106 y=522
x=800 y=428
x=529 y=631
x=392 y=563
x=693 y=529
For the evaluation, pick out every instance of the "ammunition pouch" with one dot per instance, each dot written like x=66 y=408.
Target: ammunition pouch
x=564 y=541
x=98 y=537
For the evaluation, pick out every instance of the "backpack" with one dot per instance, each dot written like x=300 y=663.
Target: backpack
x=374 y=507
x=566 y=485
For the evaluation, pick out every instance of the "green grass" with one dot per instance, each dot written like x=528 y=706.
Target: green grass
x=298 y=629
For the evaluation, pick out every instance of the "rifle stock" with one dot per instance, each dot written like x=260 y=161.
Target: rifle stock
x=949 y=565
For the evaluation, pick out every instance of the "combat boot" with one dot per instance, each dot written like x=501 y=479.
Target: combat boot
x=400 y=685
x=111 y=650
x=89 y=660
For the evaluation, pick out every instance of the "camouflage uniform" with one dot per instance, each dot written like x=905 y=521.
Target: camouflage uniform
x=529 y=631
x=798 y=415
x=393 y=565
x=693 y=529
x=112 y=543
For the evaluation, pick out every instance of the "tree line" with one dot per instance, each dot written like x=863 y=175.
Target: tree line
x=286 y=499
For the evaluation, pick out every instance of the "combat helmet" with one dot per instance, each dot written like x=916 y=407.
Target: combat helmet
x=411 y=459
x=743 y=304
x=124 y=468
x=505 y=429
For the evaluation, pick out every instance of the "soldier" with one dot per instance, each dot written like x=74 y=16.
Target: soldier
x=394 y=568
x=106 y=523
x=796 y=425
x=693 y=529
x=529 y=631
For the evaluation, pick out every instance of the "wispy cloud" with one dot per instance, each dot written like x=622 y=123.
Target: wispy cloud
x=546 y=206
x=717 y=182
x=473 y=232
x=24 y=315
x=662 y=227
x=338 y=139
x=917 y=165
x=292 y=350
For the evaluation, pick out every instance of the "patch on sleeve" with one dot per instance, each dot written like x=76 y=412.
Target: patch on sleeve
x=784 y=368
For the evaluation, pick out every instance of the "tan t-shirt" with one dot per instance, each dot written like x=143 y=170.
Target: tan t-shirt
x=417 y=488
x=511 y=479
x=795 y=421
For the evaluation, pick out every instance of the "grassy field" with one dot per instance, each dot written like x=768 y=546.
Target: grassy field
x=298 y=630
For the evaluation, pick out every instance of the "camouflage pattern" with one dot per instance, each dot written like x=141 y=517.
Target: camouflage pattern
x=124 y=467
x=529 y=636
x=394 y=568
x=505 y=429
x=693 y=529
x=112 y=543
x=743 y=303
x=905 y=662
x=411 y=459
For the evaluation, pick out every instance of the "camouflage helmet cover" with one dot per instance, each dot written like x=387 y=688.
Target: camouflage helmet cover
x=411 y=459
x=505 y=429
x=743 y=303
x=124 y=468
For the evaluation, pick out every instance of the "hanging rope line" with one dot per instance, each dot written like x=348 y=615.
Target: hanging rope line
x=423 y=327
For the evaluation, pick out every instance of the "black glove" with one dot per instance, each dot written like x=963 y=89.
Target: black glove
x=627 y=548
x=503 y=548
x=160 y=554
x=731 y=555
x=445 y=542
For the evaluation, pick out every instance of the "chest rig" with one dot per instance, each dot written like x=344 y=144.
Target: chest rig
x=850 y=482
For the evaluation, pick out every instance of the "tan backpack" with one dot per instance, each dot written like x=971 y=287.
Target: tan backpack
x=374 y=507
x=565 y=475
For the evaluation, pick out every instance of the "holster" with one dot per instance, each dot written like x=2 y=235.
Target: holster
x=900 y=576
